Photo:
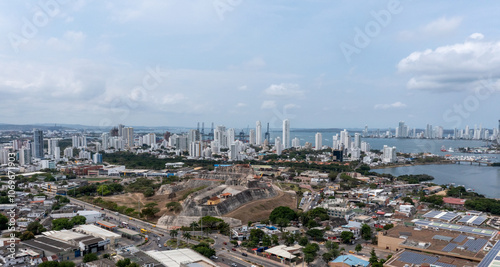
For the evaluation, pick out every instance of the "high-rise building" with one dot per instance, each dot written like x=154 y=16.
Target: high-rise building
x=38 y=144
x=389 y=154
x=258 y=133
x=52 y=144
x=105 y=141
x=252 y=137
x=278 y=145
x=120 y=129
x=286 y=134
x=220 y=136
x=128 y=136
x=319 y=141
x=296 y=142
x=231 y=136
x=24 y=156
x=68 y=152
x=357 y=140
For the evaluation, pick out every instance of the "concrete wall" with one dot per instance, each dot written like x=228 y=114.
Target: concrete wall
x=387 y=242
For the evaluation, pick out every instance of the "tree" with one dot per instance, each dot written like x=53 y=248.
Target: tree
x=308 y=258
x=408 y=200
x=123 y=263
x=61 y=223
x=275 y=240
x=224 y=228
x=77 y=220
x=316 y=234
x=103 y=190
x=331 y=245
x=311 y=248
x=358 y=248
x=373 y=257
x=346 y=236
x=193 y=225
x=204 y=249
x=327 y=256
x=3 y=222
x=90 y=257
x=388 y=226
x=174 y=233
x=26 y=235
x=36 y=228
x=282 y=212
x=303 y=241
x=366 y=231
x=149 y=192
x=187 y=236
x=150 y=210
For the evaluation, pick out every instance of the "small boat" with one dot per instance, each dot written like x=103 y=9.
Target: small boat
x=443 y=149
x=450 y=150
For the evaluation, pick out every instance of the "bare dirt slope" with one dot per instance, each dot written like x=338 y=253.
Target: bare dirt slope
x=132 y=200
x=260 y=209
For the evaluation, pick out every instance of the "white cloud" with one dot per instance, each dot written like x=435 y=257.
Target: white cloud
x=173 y=99
x=241 y=105
x=243 y=88
x=268 y=104
x=284 y=89
x=454 y=67
x=436 y=28
x=256 y=62
x=69 y=41
x=394 y=105
x=442 y=25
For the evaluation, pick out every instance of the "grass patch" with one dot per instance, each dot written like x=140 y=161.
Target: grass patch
x=192 y=191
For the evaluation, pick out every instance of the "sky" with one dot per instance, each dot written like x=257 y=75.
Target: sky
x=318 y=63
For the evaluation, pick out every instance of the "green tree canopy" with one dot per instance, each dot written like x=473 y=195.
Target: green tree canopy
x=282 y=212
x=346 y=236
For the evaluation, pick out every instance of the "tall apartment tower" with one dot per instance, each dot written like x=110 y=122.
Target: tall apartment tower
x=128 y=136
x=319 y=141
x=38 y=143
x=258 y=133
x=286 y=134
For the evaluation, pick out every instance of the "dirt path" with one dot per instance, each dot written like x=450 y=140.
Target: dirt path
x=260 y=209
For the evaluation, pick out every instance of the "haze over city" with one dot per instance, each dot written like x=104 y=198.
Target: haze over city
x=321 y=64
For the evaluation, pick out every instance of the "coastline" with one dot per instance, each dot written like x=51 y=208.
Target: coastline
x=409 y=165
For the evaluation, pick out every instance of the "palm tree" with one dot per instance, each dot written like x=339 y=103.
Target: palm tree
x=174 y=233
x=194 y=225
x=187 y=236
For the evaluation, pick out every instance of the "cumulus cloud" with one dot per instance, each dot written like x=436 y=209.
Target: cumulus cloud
x=394 y=105
x=268 y=104
x=442 y=25
x=284 y=90
x=454 y=67
x=439 y=27
x=241 y=105
x=256 y=62
x=68 y=41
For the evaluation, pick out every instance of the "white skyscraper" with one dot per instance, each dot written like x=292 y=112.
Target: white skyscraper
x=230 y=136
x=128 y=136
x=258 y=133
x=319 y=141
x=296 y=142
x=389 y=154
x=357 y=140
x=220 y=136
x=286 y=134
x=105 y=141
x=278 y=145
x=252 y=137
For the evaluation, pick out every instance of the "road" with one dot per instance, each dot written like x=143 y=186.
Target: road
x=227 y=255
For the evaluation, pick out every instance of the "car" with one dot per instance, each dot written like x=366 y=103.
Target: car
x=102 y=208
x=233 y=249
x=234 y=265
x=159 y=245
x=214 y=257
x=244 y=254
x=116 y=213
x=225 y=243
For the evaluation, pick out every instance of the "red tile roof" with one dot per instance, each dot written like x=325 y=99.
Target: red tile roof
x=453 y=201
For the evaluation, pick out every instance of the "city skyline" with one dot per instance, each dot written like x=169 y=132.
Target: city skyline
x=316 y=63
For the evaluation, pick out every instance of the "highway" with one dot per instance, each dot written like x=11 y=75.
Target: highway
x=224 y=252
